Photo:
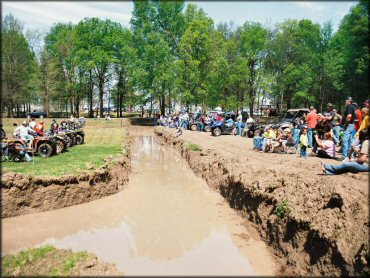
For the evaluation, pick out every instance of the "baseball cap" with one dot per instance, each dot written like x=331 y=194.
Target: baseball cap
x=329 y=104
x=24 y=123
x=349 y=98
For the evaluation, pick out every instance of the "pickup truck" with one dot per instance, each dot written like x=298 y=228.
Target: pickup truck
x=36 y=114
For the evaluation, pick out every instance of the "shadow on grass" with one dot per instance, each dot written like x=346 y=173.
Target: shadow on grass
x=141 y=121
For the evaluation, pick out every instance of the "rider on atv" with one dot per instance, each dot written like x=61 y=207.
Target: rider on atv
x=39 y=128
x=23 y=131
x=54 y=126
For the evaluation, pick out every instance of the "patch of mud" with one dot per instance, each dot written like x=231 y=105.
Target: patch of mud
x=317 y=225
x=23 y=194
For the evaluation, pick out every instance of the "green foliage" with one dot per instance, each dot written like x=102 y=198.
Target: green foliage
x=283 y=209
x=173 y=52
x=11 y=262
x=193 y=147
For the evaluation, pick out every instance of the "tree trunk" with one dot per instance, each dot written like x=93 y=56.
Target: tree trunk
x=163 y=104
x=90 y=93
x=101 y=93
x=18 y=112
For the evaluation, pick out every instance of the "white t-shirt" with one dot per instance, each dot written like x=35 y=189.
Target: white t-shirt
x=23 y=130
x=32 y=124
x=239 y=118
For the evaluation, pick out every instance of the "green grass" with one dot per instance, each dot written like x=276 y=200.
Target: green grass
x=283 y=209
x=10 y=262
x=45 y=260
x=102 y=139
x=193 y=147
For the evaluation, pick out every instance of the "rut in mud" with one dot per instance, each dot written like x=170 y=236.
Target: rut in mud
x=323 y=228
x=166 y=222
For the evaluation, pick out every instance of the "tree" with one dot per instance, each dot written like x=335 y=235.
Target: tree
x=95 y=50
x=18 y=66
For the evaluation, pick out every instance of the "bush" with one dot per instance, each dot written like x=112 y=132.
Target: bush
x=193 y=147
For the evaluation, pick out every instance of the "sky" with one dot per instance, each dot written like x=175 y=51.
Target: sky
x=41 y=15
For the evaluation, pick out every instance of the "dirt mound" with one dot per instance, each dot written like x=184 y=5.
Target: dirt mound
x=317 y=225
x=23 y=194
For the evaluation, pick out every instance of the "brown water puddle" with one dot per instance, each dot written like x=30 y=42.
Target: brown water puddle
x=166 y=222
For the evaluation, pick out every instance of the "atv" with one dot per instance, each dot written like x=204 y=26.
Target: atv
x=60 y=140
x=222 y=127
x=43 y=146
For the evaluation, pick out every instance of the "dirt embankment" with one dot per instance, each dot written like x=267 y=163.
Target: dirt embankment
x=317 y=225
x=23 y=194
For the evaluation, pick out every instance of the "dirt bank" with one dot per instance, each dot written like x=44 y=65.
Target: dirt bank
x=317 y=225
x=24 y=194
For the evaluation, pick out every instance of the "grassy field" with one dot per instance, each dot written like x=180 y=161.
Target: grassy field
x=102 y=139
x=43 y=261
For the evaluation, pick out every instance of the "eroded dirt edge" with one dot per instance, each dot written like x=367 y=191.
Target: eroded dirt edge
x=304 y=244
x=23 y=194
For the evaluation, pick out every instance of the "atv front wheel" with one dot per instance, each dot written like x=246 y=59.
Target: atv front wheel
x=193 y=127
x=207 y=128
x=217 y=132
x=45 y=150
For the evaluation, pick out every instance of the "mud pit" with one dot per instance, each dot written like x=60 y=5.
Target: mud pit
x=325 y=225
x=166 y=222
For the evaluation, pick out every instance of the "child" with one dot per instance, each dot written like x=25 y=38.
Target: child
x=303 y=142
x=295 y=133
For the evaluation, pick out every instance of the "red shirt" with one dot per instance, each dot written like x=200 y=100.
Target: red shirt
x=311 y=120
x=219 y=118
x=358 y=120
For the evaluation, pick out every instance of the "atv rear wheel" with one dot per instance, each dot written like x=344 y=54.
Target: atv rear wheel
x=45 y=150
x=217 y=132
x=193 y=127
x=79 y=139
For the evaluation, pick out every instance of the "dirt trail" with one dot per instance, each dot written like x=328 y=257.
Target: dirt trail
x=22 y=194
x=166 y=222
x=325 y=225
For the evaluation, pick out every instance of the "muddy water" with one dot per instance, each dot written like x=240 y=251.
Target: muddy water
x=166 y=222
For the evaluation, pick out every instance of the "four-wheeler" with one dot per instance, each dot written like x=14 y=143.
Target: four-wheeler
x=43 y=146
x=222 y=127
x=252 y=127
x=60 y=140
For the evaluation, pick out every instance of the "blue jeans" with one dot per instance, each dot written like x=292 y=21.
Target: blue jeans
x=347 y=139
x=303 y=151
x=336 y=131
x=257 y=142
x=200 y=126
x=352 y=167
x=184 y=124
x=310 y=135
x=239 y=126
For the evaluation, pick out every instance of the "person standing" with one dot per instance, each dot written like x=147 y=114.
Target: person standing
x=336 y=127
x=358 y=119
x=311 y=125
x=348 y=119
x=239 y=120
